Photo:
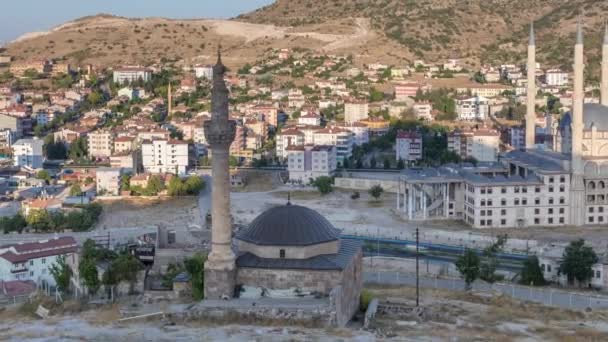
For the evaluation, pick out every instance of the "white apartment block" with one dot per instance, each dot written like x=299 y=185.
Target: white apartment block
x=309 y=162
x=311 y=119
x=165 y=156
x=28 y=152
x=408 y=146
x=481 y=144
x=204 y=71
x=423 y=110
x=338 y=137
x=355 y=111
x=473 y=108
x=288 y=137
x=556 y=78
x=32 y=260
x=100 y=144
x=107 y=181
x=360 y=132
x=131 y=74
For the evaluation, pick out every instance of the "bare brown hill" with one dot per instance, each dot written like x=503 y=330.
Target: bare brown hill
x=392 y=31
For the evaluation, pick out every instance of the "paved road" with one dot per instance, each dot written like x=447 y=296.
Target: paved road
x=546 y=296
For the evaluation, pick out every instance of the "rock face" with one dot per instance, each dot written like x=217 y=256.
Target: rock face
x=220 y=131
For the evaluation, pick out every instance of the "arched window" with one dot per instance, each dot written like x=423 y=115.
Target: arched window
x=601 y=185
x=516 y=201
x=591 y=185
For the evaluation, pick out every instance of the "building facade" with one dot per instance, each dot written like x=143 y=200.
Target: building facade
x=308 y=162
x=165 y=156
x=28 y=152
x=480 y=144
x=408 y=146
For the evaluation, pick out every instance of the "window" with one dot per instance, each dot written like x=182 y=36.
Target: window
x=551 y=180
x=590 y=209
x=489 y=191
x=561 y=210
x=598 y=274
x=524 y=190
x=600 y=209
x=483 y=190
x=516 y=201
x=31 y=273
x=536 y=211
x=503 y=212
x=482 y=213
x=600 y=219
x=489 y=203
x=524 y=201
x=537 y=189
x=562 y=179
x=550 y=211
x=550 y=200
x=561 y=220
x=550 y=189
x=282 y=254
x=548 y=268
x=562 y=200
x=503 y=190
x=489 y=212
x=591 y=219
x=482 y=222
x=503 y=202
x=489 y=222
x=31 y=262
x=542 y=267
x=43 y=261
x=537 y=201
x=483 y=203
x=562 y=188
x=550 y=220
x=516 y=190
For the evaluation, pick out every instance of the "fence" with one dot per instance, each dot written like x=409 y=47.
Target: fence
x=6 y=300
x=546 y=296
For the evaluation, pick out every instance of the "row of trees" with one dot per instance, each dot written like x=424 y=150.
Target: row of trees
x=44 y=221
x=576 y=264
x=176 y=187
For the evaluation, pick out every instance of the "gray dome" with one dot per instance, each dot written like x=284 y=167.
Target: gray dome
x=289 y=225
x=593 y=113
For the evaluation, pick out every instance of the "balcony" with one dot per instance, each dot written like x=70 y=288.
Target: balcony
x=19 y=269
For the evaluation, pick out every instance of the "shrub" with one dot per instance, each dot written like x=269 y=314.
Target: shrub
x=365 y=299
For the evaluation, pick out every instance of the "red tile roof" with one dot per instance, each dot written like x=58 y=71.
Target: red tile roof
x=40 y=249
x=17 y=287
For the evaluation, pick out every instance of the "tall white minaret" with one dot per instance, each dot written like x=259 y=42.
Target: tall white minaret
x=531 y=92
x=577 y=102
x=604 y=84
x=577 y=184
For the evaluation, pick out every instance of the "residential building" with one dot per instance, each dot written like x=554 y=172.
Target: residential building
x=165 y=156
x=204 y=71
x=408 y=146
x=405 y=90
x=472 y=108
x=481 y=144
x=377 y=126
x=340 y=138
x=131 y=74
x=124 y=144
x=556 y=78
x=288 y=137
x=296 y=98
x=485 y=90
x=40 y=66
x=33 y=260
x=12 y=123
x=100 y=144
x=43 y=204
x=28 y=152
x=308 y=162
x=312 y=119
x=423 y=110
x=108 y=181
x=132 y=93
x=355 y=111
x=360 y=132
x=128 y=161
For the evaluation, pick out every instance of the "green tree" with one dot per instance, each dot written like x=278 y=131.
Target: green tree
x=31 y=73
x=39 y=220
x=78 y=149
x=176 y=187
x=75 y=190
x=489 y=261
x=468 y=265
x=13 y=224
x=372 y=163
x=577 y=262
x=155 y=185
x=125 y=183
x=233 y=161
x=194 y=185
x=324 y=184
x=52 y=149
x=531 y=274
x=387 y=164
x=62 y=273
x=195 y=266
x=375 y=191
x=88 y=272
x=401 y=164
x=95 y=98
x=44 y=174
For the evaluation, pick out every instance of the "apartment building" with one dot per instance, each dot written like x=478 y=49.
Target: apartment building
x=108 y=181
x=307 y=162
x=355 y=111
x=408 y=146
x=335 y=136
x=100 y=144
x=481 y=144
x=28 y=152
x=131 y=74
x=472 y=108
x=165 y=156
x=288 y=137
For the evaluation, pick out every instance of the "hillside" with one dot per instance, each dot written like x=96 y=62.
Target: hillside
x=485 y=31
x=392 y=31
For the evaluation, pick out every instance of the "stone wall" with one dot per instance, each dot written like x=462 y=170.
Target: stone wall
x=308 y=280
x=364 y=184
x=348 y=295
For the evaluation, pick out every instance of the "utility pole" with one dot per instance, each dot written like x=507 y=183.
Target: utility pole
x=417 y=271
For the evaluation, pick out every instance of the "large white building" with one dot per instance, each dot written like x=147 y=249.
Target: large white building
x=472 y=108
x=165 y=156
x=308 y=162
x=565 y=184
x=288 y=137
x=131 y=74
x=360 y=132
x=556 y=78
x=204 y=71
x=408 y=146
x=28 y=152
x=100 y=144
x=355 y=111
x=481 y=144
x=32 y=260
x=107 y=181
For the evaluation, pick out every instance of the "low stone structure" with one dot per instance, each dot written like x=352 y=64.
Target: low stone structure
x=364 y=184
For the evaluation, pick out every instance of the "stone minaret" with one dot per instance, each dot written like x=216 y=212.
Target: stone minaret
x=577 y=197
x=604 y=85
x=220 y=269
x=169 y=99
x=531 y=92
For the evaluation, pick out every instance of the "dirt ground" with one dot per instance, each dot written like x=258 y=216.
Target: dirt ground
x=170 y=212
x=456 y=316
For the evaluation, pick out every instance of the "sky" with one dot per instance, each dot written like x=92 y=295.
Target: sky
x=21 y=16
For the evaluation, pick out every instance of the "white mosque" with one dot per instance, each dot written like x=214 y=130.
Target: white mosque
x=563 y=185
